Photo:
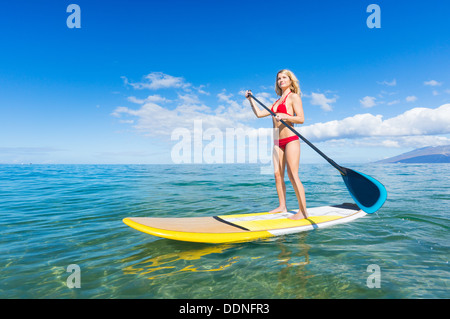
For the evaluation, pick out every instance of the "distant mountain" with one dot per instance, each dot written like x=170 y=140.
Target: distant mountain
x=437 y=154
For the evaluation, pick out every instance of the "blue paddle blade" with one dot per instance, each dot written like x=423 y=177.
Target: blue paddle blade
x=368 y=193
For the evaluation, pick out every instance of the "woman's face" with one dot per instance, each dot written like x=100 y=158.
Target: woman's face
x=283 y=81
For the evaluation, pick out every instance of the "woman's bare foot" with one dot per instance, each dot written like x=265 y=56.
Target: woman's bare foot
x=298 y=216
x=279 y=209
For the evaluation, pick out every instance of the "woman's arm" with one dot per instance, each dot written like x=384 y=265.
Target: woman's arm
x=258 y=112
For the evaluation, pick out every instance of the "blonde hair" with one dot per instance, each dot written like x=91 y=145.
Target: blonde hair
x=295 y=86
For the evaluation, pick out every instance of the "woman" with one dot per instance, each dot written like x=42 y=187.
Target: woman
x=286 y=151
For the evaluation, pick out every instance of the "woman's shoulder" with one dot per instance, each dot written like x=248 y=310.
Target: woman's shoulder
x=294 y=97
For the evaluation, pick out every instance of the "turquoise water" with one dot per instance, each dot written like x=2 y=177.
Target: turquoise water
x=52 y=216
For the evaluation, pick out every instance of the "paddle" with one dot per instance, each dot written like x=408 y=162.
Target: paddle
x=368 y=193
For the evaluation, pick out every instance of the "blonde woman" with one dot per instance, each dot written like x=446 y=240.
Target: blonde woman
x=286 y=150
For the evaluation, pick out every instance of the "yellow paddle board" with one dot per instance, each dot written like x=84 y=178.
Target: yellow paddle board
x=243 y=227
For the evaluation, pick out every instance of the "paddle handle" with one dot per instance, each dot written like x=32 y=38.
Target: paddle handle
x=329 y=160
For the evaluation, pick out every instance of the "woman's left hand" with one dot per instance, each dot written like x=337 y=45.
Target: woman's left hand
x=283 y=117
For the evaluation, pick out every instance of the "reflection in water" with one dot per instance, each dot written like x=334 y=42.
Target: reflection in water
x=290 y=258
x=169 y=263
x=293 y=278
x=171 y=258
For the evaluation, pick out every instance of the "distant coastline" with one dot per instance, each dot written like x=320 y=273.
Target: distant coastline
x=431 y=154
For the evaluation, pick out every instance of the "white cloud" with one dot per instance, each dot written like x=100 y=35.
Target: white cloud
x=158 y=116
x=402 y=141
x=368 y=101
x=191 y=99
x=432 y=83
x=393 y=102
x=151 y=98
x=392 y=83
x=412 y=123
x=158 y=80
x=153 y=119
x=321 y=100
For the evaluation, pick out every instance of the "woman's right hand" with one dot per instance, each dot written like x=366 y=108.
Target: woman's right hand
x=248 y=93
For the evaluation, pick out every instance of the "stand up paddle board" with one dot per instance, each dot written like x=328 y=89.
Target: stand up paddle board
x=243 y=227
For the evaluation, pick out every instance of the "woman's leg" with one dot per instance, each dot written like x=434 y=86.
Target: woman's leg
x=292 y=158
x=279 y=165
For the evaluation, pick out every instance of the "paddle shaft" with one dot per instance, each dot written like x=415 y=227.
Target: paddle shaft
x=329 y=160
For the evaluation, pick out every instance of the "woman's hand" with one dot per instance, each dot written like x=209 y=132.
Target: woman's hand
x=283 y=117
x=248 y=93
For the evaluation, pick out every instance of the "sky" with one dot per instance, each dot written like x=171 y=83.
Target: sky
x=162 y=82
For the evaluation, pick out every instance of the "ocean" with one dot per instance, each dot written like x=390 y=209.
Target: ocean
x=62 y=234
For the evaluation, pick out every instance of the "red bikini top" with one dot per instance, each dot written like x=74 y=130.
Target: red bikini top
x=281 y=108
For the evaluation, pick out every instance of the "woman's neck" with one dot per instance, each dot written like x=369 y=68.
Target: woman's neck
x=285 y=91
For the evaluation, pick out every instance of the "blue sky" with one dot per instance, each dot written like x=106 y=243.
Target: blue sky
x=116 y=89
